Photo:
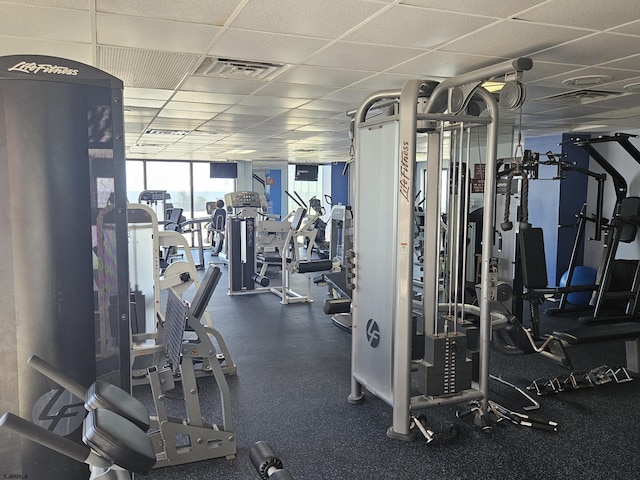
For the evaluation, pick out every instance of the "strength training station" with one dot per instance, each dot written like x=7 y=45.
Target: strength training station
x=329 y=239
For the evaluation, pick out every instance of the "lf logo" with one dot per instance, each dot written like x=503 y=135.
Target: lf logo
x=373 y=333
x=59 y=411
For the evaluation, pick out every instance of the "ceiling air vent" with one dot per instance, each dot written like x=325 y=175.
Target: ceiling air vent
x=233 y=68
x=581 y=97
x=156 y=131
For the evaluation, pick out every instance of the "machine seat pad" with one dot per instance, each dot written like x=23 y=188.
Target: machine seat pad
x=605 y=332
x=120 y=441
x=109 y=397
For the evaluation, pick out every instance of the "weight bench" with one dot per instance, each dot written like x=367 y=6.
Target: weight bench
x=629 y=332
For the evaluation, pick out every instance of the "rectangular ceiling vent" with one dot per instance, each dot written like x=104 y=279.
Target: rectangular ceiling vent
x=246 y=69
x=156 y=131
x=581 y=97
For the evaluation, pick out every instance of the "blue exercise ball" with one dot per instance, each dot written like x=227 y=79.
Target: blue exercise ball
x=581 y=276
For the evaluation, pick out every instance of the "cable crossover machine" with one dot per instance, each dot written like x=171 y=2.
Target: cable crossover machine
x=389 y=312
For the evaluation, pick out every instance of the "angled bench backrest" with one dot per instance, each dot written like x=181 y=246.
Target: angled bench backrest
x=205 y=290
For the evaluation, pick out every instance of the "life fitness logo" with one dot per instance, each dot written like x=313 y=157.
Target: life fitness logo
x=59 y=411
x=47 y=68
x=373 y=333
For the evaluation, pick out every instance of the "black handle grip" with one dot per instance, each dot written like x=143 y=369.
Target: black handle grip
x=44 y=437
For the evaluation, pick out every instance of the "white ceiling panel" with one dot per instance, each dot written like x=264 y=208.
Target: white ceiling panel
x=325 y=76
x=513 y=38
x=28 y=21
x=444 y=65
x=292 y=90
x=195 y=107
x=494 y=8
x=192 y=11
x=79 y=52
x=383 y=81
x=359 y=56
x=416 y=27
x=320 y=18
x=271 y=47
x=590 y=50
x=153 y=34
x=592 y=14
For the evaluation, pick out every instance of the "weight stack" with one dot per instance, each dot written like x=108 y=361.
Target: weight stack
x=445 y=368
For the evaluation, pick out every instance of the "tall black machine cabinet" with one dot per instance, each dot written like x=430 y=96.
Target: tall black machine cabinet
x=63 y=244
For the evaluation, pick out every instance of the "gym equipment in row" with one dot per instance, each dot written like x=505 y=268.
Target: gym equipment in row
x=266 y=463
x=382 y=308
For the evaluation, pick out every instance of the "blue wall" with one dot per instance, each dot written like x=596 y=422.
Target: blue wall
x=339 y=184
x=554 y=204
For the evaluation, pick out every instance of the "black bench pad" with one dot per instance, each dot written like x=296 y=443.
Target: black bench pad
x=600 y=333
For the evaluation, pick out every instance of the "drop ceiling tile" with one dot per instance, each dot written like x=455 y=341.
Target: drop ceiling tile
x=320 y=18
x=513 y=38
x=383 y=81
x=256 y=111
x=265 y=47
x=419 y=27
x=584 y=13
x=196 y=107
x=195 y=11
x=147 y=93
x=185 y=114
x=143 y=102
x=632 y=28
x=542 y=70
x=292 y=90
x=258 y=100
x=435 y=65
x=595 y=49
x=359 y=56
x=326 y=106
x=494 y=8
x=221 y=85
x=35 y=22
x=202 y=97
x=150 y=33
x=79 y=52
x=324 y=76
x=348 y=95
x=628 y=63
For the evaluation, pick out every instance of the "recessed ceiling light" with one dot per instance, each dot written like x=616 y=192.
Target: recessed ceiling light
x=632 y=87
x=587 y=80
x=492 y=86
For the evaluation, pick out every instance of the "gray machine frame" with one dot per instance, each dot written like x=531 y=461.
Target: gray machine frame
x=384 y=284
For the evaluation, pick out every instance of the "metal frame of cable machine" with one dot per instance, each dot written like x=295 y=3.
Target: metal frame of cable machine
x=383 y=295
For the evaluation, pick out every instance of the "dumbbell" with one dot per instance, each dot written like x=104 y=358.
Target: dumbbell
x=266 y=463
